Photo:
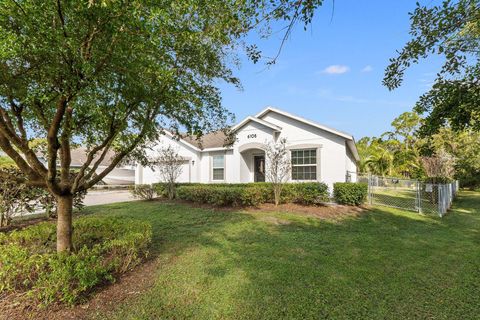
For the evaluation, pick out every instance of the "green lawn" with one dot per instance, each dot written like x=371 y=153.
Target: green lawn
x=386 y=264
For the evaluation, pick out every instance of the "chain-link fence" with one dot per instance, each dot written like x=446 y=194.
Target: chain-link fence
x=412 y=195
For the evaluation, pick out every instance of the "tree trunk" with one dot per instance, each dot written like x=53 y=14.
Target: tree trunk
x=277 y=191
x=171 y=190
x=64 y=223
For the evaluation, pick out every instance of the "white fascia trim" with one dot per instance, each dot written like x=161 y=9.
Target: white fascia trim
x=353 y=147
x=311 y=123
x=262 y=122
x=349 y=137
x=216 y=149
x=168 y=133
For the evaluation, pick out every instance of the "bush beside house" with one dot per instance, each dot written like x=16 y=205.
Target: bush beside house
x=105 y=248
x=17 y=199
x=251 y=194
x=349 y=193
x=145 y=192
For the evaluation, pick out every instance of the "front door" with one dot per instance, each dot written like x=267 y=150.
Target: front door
x=259 y=168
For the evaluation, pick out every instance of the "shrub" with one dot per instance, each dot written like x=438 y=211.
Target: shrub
x=350 y=193
x=310 y=193
x=218 y=196
x=18 y=198
x=105 y=248
x=161 y=188
x=143 y=191
x=251 y=194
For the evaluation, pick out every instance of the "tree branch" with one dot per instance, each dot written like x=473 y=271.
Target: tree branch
x=53 y=145
x=19 y=6
x=91 y=155
x=65 y=155
x=119 y=157
x=38 y=110
x=34 y=183
x=62 y=20
x=6 y=146
x=11 y=136
x=97 y=163
x=17 y=111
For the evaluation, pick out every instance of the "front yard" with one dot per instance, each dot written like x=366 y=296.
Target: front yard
x=383 y=264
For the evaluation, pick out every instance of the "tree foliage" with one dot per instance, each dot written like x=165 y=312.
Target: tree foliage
x=402 y=152
x=463 y=146
x=451 y=30
x=277 y=166
x=17 y=199
x=111 y=74
x=396 y=152
x=169 y=165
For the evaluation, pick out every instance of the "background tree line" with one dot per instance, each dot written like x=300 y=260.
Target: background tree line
x=404 y=152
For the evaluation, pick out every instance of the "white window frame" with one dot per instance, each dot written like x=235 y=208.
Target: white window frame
x=218 y=167
x=305 y=165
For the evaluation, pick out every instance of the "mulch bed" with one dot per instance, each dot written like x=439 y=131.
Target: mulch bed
x=106 y=300
x=327 y=211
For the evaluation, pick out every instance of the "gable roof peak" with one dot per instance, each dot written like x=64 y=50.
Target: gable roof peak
x=257 y=120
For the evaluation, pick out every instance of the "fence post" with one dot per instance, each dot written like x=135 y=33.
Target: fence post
x=440 y=198
x=370 y=188
x=419 y=197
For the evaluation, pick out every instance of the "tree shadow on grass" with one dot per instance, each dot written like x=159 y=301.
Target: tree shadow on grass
x=387 y=267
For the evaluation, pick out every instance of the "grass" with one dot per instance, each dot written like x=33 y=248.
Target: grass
x=405 y=198
x=386 y=264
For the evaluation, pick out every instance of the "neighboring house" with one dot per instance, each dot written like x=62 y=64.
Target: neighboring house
x=121 y=175
x=318 y=153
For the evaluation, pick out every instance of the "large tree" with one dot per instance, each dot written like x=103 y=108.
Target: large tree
x=396 y=152
x=110 y=74
x=464 y=147
x=451 y=30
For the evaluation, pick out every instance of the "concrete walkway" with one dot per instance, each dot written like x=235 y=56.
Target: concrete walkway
x=96 y=197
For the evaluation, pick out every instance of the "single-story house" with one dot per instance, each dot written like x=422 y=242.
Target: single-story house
x=123 y=174
x=317 y=152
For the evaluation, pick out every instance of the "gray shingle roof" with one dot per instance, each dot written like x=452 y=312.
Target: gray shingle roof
x=216 y=139
x=79 y=157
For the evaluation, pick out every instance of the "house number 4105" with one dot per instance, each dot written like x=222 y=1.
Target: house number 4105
x=251 y=136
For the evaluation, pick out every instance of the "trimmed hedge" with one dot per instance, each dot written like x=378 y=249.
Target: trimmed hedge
x=252 y=194
x=105 y=248
x=350 y=193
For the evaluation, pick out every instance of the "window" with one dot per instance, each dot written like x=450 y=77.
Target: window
x=218 y=167
x=304 y=164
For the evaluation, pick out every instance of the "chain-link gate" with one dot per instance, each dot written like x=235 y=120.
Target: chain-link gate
x=408 y=194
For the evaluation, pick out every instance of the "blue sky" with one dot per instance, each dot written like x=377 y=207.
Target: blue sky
x=332 y=73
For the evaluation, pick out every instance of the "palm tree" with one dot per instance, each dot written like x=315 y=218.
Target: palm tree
x=380 y=161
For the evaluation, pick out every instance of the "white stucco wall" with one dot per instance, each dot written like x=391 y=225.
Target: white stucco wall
x=332 y=150
x=190 y=169
x=351 y=165
x=333 y=155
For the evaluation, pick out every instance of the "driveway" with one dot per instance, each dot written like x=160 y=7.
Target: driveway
x=96 y=197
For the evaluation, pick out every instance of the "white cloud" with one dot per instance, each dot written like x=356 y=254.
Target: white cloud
x=336 y=69
x=367 y=68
